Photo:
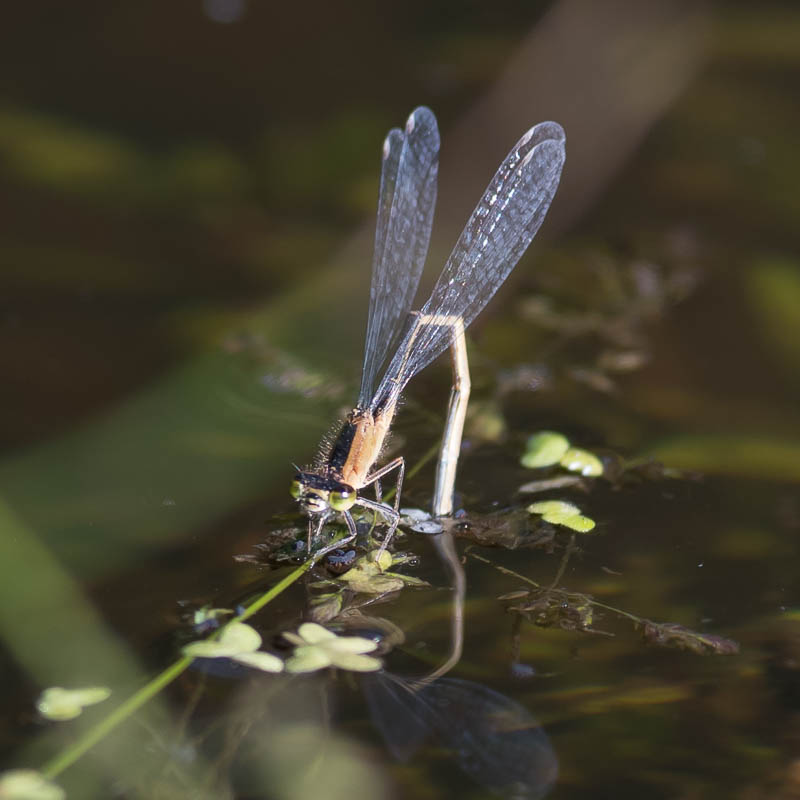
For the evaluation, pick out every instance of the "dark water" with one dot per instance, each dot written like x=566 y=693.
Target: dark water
x=184 y=251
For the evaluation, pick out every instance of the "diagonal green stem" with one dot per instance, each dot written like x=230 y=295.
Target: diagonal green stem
x=98 y=732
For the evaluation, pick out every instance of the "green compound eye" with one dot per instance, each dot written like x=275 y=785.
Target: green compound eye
x=341 y=500
x=296 y=489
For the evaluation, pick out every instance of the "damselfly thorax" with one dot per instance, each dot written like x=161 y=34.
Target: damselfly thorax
x=501 y=227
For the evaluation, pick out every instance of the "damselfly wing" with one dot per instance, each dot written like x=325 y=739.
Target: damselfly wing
x=399 y=342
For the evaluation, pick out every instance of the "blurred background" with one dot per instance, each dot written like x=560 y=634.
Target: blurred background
x=187 y=195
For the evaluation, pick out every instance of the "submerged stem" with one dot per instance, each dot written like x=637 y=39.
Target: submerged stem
x=98 y=732
x=67 y=757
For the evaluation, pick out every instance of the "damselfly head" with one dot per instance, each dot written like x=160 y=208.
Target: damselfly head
x=318 y=493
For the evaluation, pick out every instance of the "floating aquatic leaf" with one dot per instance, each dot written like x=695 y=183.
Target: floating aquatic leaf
x=350 y=644
x=260 y=660
x=554 y=508
x=239 y=642
x=544 y=449
x=311 y=633
x=57 y=703
x=559 y=512
x=236 y=637
x=356 y=662
x=368 y=577
x=408 y=580
x=308 y=658
x=317 y=648
x=325 y=607
x=577 y=522
x=375 y=584
x=381 y=558
x=582 y=461
x=28 y=784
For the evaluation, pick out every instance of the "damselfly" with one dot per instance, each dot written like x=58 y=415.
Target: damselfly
x=500 y=229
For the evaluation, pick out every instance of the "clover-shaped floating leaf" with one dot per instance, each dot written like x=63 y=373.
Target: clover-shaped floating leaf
x=236 y=638
x=239 y=642
x=317 y=647
x=28 y=784
x=559 y=512
x=57 y=703
x=544 y=449
x=260 y=659
x=368 y=575
x=582 y=461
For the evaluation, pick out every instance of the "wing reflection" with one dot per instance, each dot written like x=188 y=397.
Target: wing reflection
x=493 y=738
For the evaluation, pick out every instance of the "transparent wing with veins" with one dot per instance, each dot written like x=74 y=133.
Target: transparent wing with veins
x=499 y=231
x=405 y=216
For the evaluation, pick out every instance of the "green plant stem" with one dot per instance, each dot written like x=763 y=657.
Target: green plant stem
x=95 y=734
x=273 y=592
x=99 y=731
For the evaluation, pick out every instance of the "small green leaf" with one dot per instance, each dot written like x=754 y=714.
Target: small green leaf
x=308 y=658
x=578 y=522
x=345 y=652
x=57 y=703
x=381 y=558
x=378 y=584
x=544 y=449
x=357 y=663
x=324 y=607
x=408 y=580
x=236 y=638
x=582 y=461
x=559 y=512
x=351 y=644
x=311 y=633
x=260 y=660
x=553 y=508
x=28 y=784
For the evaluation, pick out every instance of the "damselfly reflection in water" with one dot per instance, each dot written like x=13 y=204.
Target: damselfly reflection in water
x=499 y=231
x=493 y=739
